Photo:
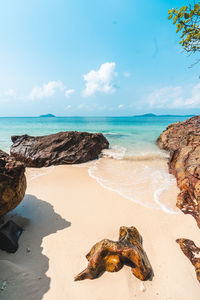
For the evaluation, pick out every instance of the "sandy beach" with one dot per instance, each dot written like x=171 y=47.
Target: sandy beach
x=64 y=213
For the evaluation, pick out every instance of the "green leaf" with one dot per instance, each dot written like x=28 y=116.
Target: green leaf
x=196 y=7
x=178 y=27
x=169 y=18
x=175 y=19
x=191 y=13
x=186 y=16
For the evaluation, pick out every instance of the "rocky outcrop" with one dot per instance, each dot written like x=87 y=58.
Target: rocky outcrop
x=182 y=139
x=192 y=252
x=110 y=256
x=69 y=147
x=12 y=183
x=180 y=134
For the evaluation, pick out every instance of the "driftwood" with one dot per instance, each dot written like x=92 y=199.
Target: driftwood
x=110 y=256
x=192 y=252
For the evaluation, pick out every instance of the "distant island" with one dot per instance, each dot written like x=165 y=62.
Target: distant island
x=47 y=116
x=153 y=115
x=146 y=115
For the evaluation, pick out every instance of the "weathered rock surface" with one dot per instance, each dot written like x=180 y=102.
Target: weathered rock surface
x=110 y=256
x=9 y=236
x=182 y=139
x=61 y=148
x=192 y=252
x=12 y=183
x=180 y=134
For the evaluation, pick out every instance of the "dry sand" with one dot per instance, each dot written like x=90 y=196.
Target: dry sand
x=64 y=213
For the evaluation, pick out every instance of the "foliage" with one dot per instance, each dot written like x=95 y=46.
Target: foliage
x=187 y=20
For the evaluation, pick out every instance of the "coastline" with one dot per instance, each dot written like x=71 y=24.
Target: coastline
x=65 y=212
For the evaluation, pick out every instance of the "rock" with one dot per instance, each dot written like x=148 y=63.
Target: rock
x=110 y=256
x=61 y=148
x=12 y=183
x=3 y=285
x=9 y=236
x=182 y=139
x=192 y=252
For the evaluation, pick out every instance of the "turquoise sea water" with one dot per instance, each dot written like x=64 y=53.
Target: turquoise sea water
x=133 y=166
x=123 y=131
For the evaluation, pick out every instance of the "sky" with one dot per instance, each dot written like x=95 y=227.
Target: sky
x=94 y=58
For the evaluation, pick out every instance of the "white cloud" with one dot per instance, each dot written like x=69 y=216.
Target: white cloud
x=194 y=99
x=165 y=96
x=47 y=90
x=80 y=106
x=10 y=93
x=175 y=97
x=101 y=80
x=88 y=107
x=120 y=106
x=68 y=107
x=69 y=92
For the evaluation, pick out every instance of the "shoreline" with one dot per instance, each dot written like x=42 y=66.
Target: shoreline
x=64 y=213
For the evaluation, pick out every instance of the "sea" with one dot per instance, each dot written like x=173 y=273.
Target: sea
x=133 y=166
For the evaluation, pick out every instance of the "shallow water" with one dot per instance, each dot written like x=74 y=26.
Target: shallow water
x=133 y=165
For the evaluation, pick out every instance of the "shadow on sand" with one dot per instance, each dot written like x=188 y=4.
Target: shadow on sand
x=23 y=274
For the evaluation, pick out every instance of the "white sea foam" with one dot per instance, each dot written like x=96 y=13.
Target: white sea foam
x=122 y=153
x=129 y=179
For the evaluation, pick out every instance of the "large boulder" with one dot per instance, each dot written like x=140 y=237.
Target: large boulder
x=180 y=134
x=182 y=139
x=62 y=148
x=12 y=183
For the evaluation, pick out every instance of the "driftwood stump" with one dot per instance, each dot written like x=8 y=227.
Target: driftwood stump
x=192 y=252
x=110 y=256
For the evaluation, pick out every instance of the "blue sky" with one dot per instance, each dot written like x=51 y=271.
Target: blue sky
x=92 y=58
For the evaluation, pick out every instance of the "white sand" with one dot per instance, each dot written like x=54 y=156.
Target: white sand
x=64 y=213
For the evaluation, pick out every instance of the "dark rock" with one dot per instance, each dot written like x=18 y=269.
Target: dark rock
x=192 y=252
x=12 y=183
x=182 y=139
x=9 y=236
x=69 y=147
x=111 y=256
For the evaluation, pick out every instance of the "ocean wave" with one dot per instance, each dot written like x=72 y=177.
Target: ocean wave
x=161 y=182
x=122 y=153
x=146 y=157
x=116 y=135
